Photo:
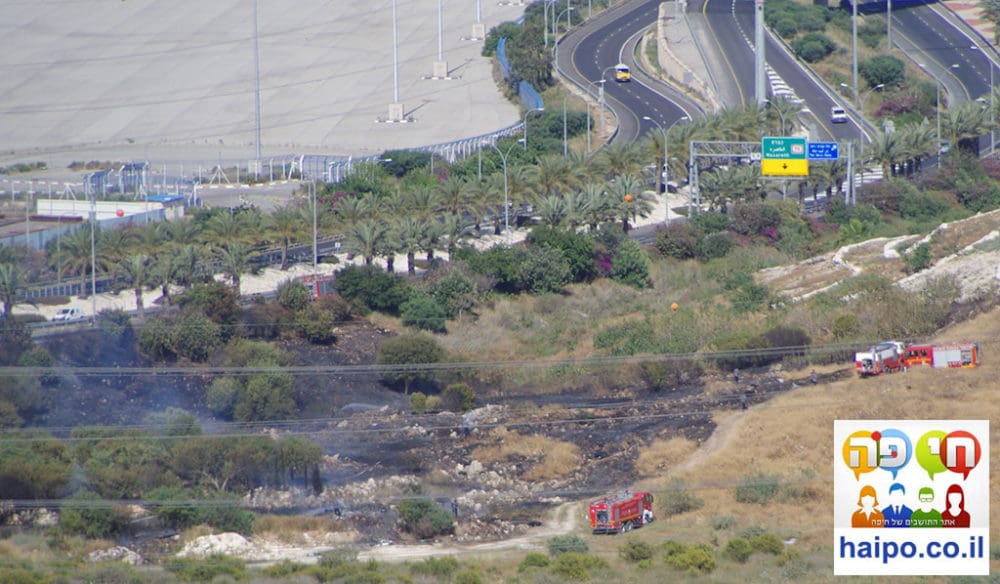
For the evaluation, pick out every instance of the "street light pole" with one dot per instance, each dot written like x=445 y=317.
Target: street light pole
x=666 y=160
x=506 y=194
x=524 y=140
x=854 y=48
x=315 y=211
x=93 y=257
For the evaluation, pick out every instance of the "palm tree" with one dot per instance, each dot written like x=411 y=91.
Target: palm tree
x=11 y=281
x=188 y=264
x=553 y=211
x=365 y=239
x=888 y=148
x=114 y=244
x=285 y=223
x=453 y=195
x=235 y=261
x=627 y=200
x=593 y=205
x=410 y=232
x=722 y=186
x=782 y=114
x=423 y=202
x=552 y=175
x=620 y=159
x=164 y=270
x=75 y=255
x=135 y=269
x=919 y=142
x=652 y=146
x=968 y=120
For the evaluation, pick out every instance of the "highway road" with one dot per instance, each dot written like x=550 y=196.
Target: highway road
x=589 y=54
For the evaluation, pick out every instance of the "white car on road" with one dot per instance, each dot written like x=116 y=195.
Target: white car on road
x=68 y=315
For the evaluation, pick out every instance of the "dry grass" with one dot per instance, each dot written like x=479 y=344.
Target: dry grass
x=549 y=458
x=663 y=455
x=296 y=529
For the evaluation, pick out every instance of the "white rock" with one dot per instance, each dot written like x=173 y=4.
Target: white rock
x=115 y=554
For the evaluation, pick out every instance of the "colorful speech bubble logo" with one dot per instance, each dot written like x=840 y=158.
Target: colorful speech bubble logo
x=960 y=452
x=928 y=452
x=894 y=451
x=860 y=452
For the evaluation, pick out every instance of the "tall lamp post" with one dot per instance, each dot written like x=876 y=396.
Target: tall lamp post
x=666 y=159
x=506 y=193
x=861 y=103
x=555 y=23
x=93 y=257
x=525 y=138
x=937 y=87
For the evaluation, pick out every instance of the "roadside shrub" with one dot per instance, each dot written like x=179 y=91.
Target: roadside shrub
x=741 y=343
x=293 y=295
x=754 y=218
x=881 y=69
x=577 y=249
x=678 y=239
x=562 y=544
x=266 y=321
x=678 y=499
x=786 y=27
x=266 y=396
x=207 y=569
x=635 y=551
x=424 y=312
x=813 y=47
x=217 y=301
x=709 y=222
x=920 y=206
x=423 y=518
x=758 y=490
x=114 y=323
x=500 y=263
x=458 y=397
x=455 y=291
x=336 y=306
x=738 y=549
x=630 y=265
x=695 y=558
x=576 y=565
x=533 y=560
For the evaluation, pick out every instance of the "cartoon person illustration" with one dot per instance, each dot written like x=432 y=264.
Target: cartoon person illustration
x=867 y=515
x=896 y=513
x=925 y=516
x=955 y=514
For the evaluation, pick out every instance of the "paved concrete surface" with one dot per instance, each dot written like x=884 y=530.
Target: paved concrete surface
x=174 y=81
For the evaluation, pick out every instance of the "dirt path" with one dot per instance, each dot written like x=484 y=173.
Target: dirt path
x=724 y=431
x=564 y=520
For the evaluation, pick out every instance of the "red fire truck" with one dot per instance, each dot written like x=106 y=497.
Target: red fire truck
x=319 y=286
x=951 y=355
x=622 y=512
x=880 y=358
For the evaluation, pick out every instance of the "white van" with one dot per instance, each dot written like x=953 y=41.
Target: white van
x=838 y=115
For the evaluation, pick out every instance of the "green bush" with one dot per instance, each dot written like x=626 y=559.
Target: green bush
x=455 y=291
x=418 y=402
x=813 y=47
x=788 y=337
x=715 y=245
x=221 y=396
x=83 y=513
x=173 y=507
x=544 y=269
x=266 y=396
x=437 y=567
x=627 y=338
x=635 y=551
x=423 y=518
x=469 y=576
x=696 y=558
x=678 y=239
x=576 y=565
x=678 y=498
x=533 y=560
x=114 y=323
x=207 y=569
x=562 y=544
x=500 y=263
x=293 y=295
x=918 y=258
x=786 y=27
x=409 y=349
x=759 y=489
x=215 y=300
x=424 y=312
x=920 y=206
x=630 y=265
x=373 y=288
x=576 y=248
x=722 y=522
x=316 y=324
x=738 y=549
x=458 y=397
x=882 y=70
x=762 y=541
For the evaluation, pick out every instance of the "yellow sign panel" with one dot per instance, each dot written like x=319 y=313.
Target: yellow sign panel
x=784 y=167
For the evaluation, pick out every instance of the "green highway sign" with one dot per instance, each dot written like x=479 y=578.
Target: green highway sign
x=784 y=148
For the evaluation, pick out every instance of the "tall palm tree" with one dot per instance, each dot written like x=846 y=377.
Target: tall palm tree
x=115 y=244
x=968 y=120
x=286 y=225
x=423 y=201
x=553 y=211
x=235 y=261
x=593 y=205
x=782 y=115
x=410 y=233
x=11 y=281
x=627 y=199
x=164 y=271
x=552 y=175
x=135 y=269
x=618 y=159
x=919 y=142
x=453 y=229
x=887 y=149
x=722 y=186
x=652 y=147
x=453 y=195
x=188 y=264
x=365 y=238
x=75 y=255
